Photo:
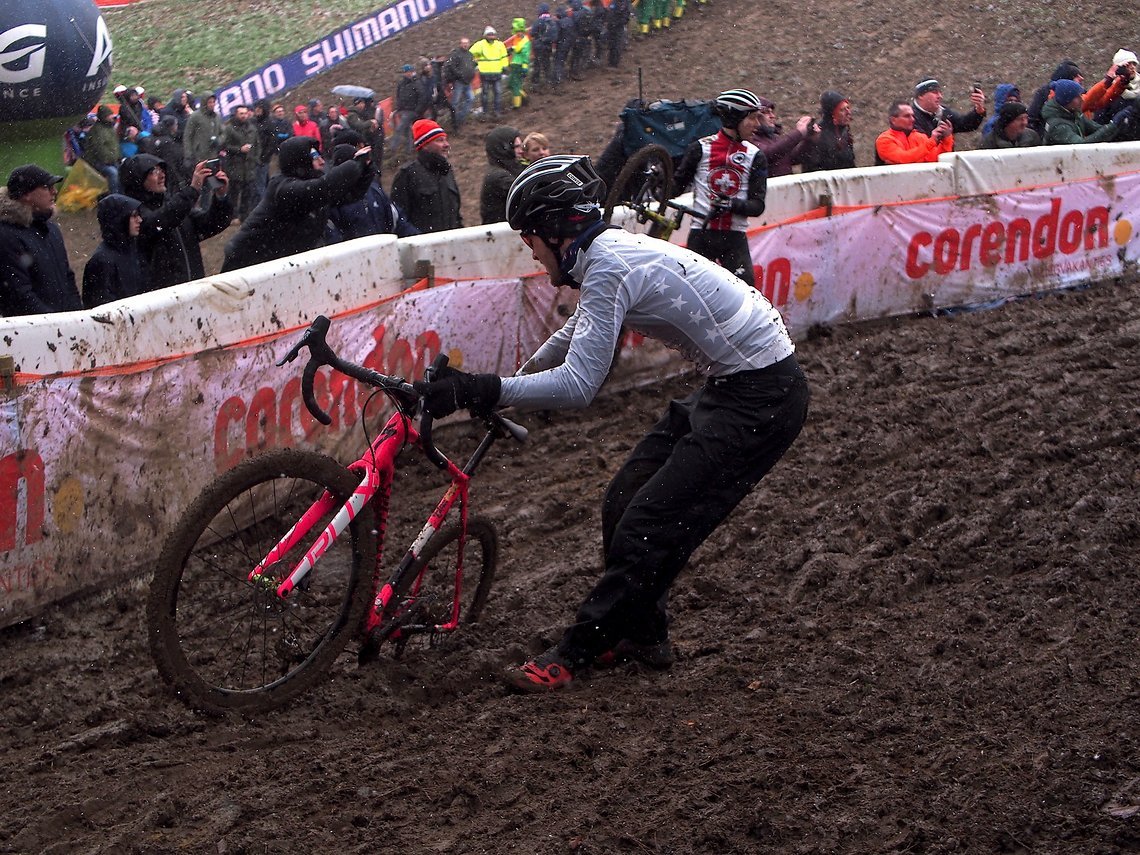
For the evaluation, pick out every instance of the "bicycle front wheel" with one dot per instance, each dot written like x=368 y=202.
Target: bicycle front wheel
x=226 y=643
x=428 y=593
x=645 y=180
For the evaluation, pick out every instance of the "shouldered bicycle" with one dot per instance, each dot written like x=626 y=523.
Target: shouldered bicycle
x=276 y=566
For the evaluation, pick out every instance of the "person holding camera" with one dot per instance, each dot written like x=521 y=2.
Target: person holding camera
x=291 y=216
x=1066 y=124
x=1118 y=91
x=830 y=145
x=902 y=142
x=930 y=112
x=173 y=223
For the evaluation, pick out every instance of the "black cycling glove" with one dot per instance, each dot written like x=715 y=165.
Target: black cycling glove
x=453 y=390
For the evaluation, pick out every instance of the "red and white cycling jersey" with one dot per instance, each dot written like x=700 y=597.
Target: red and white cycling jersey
x=725 y=171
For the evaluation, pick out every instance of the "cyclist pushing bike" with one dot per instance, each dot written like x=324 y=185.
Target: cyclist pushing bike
x=707 y=451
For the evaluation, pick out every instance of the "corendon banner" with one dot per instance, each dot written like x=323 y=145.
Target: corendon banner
x=872 y=262
x=95 y=469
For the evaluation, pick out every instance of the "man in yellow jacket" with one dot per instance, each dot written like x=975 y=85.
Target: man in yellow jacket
x=491 y=58
x=518 y=46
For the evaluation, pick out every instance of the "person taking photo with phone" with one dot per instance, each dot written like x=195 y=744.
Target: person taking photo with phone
x=173 y=221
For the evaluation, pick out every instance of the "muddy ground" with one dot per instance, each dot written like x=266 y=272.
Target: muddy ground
x=919 y=634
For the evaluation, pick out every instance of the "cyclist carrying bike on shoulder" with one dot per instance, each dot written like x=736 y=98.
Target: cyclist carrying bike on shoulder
x=707 y=451
x=729 y=175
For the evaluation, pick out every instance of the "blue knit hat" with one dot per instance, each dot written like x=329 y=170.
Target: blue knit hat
x=1064 y=91
x=543 y=8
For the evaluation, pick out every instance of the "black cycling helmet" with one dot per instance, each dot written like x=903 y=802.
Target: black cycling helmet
x=556 y=197
x=733 y=105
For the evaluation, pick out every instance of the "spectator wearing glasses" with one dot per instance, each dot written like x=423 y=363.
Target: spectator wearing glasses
x=291 y=216
x=34 y=274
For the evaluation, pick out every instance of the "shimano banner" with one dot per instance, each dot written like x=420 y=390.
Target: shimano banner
x=293 y=70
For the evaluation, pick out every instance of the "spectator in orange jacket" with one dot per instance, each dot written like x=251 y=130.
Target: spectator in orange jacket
x=902 y=144
x=303 y=126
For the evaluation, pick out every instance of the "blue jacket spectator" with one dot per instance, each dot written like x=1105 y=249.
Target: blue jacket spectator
x=374 y=214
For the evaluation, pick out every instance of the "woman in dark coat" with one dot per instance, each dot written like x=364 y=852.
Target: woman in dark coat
x=115 y=269
x=504 y=148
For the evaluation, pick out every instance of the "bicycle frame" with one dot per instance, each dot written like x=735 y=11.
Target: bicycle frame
x=377 y=467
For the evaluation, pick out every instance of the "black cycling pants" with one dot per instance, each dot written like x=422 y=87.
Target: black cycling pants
x=685 y=476
x=727 y=248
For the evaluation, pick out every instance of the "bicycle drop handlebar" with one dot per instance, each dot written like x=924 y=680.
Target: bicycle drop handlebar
x=405 y=394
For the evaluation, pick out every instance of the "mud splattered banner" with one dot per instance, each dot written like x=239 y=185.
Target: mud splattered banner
x=94 y=468
x=866 y=262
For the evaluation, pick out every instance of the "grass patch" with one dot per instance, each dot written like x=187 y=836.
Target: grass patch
x=170 y=44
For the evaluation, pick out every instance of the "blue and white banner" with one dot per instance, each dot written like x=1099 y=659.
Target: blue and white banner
x=291 y=71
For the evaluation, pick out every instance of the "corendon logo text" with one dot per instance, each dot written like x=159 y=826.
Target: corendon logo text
x=998 y=242
x=276 y=418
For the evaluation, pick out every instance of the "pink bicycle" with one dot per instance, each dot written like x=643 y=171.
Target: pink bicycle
x=276 y=566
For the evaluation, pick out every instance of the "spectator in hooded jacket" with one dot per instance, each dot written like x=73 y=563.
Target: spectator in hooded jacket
x=115 y=269
x=425 y=188
x=1011 y=128
x=1065 y=124
x=291 y=216
x=504 y=158
x=371 y=214
x=241 y=143
x=1003 y=93
x=902 y=142
x=781 y=149
x=35 y=276
x=1066 y=70
x=929 y=110
x=832 y=146
x=180 y=106
x=173 y=223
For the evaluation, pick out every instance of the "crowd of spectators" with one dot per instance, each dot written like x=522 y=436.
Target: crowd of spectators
x=294 y=177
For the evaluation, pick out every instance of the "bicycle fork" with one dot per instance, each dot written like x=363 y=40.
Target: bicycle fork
x=412 y=563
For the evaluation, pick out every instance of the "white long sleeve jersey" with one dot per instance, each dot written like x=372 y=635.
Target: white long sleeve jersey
x=662 y=291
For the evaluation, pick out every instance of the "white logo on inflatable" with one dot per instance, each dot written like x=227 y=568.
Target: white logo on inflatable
x=103 y=47
x=34 y=54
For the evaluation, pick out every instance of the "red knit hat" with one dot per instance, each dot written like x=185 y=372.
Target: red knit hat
x=424 y=131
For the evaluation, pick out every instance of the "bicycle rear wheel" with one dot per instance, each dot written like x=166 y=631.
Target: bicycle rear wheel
x=226 y=643
x=431 y=602
x=646 y=179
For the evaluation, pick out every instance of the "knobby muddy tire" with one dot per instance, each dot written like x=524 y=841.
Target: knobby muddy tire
x=228 y=645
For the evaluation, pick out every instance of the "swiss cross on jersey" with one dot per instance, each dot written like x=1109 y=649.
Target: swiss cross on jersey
x=722 y=175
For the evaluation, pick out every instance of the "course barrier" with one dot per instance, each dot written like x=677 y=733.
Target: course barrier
x=116 y=417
